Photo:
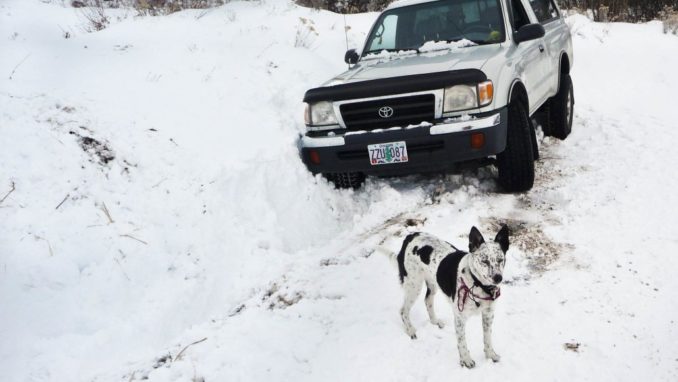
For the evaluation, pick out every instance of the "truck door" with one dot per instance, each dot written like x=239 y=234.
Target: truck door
x=530 y=59
x=555 y=39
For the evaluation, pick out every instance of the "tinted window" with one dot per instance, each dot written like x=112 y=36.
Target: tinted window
x=452 y=20
x=544 y=10
x=519 y=16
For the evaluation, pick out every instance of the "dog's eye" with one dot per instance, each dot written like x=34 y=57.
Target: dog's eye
x=486 y=262
x=499 y=261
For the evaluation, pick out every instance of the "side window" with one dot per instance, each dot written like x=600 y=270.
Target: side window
x=554 y=10
x=544 y=10
x=519 y=16
x=385 y=35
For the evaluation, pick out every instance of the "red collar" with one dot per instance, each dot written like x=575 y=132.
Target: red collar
x=464 y=293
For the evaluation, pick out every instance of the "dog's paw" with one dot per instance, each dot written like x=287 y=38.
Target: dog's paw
x=439 y=323
x=490 y=354
x=411 y=333
x=467 y=363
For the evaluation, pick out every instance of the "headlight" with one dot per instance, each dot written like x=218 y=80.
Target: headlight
x=307 y=114
x=464 y=97
x=320 y=114
x=460 y=97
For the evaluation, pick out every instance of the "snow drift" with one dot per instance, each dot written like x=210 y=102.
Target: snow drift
x=159 y=200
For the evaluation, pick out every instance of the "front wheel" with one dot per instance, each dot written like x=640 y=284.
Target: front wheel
x=346 y=179
x=516 y=163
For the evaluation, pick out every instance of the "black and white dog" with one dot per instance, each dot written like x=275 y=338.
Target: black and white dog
x=469 y=280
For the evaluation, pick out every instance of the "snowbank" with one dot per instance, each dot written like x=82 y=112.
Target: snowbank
x=159 y=200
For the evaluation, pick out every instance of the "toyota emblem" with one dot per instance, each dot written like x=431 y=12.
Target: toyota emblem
x=385 y=112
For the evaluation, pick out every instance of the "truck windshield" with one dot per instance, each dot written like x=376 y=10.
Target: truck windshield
x=410 y=27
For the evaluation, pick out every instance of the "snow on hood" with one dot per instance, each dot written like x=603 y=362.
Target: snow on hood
x=431 y=46
x=436 y=57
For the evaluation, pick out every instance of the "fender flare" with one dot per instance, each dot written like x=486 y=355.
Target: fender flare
x=564 y=66
x=518 y=85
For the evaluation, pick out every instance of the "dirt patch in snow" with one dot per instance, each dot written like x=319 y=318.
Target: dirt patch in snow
x=98 y=150
x=275 y=298
x=539 y=249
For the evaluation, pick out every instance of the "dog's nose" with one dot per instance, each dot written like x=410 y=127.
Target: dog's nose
x=497 y=278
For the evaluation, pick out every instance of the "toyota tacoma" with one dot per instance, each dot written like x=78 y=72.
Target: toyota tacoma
x=443 y=84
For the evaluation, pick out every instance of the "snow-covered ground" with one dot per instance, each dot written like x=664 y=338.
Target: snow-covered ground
x=158 y=200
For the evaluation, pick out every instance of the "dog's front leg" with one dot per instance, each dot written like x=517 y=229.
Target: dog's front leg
x=464 y=356
x=488 y=316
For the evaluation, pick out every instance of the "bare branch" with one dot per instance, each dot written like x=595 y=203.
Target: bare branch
x=134 y=238
x=63 y=201
x=108 y=214
x=157 y=184
x=17 y=65
x=49 y=245
x=122 y=269
x=186 y=347
x=7 y=194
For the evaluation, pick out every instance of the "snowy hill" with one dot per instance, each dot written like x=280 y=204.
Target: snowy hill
x=154 y=198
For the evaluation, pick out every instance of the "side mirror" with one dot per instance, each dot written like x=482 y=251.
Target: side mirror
x=529 y=32
x=351 y=57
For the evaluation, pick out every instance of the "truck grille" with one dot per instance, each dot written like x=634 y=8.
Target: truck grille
x=406 y=111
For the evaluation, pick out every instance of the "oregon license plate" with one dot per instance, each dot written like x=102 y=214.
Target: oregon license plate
x=387 y=153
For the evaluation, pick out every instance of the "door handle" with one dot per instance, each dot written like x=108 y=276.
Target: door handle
x=541 y=48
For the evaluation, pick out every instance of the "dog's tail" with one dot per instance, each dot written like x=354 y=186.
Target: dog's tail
x=382 y=250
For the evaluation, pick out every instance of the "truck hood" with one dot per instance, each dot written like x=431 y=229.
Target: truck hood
x=394 y=65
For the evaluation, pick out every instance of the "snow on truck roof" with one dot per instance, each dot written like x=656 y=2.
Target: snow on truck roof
x=405 y=3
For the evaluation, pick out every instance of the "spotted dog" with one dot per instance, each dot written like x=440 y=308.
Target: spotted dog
x=470 y=280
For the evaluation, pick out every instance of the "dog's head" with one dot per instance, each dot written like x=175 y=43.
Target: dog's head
x=487 y=259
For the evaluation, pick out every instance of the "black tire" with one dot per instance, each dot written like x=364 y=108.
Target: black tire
x=346 y=179
x=561 y=110
x=516 y=163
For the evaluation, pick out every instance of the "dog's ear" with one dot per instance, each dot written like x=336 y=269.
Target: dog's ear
x=503 y=238
x=475 y=239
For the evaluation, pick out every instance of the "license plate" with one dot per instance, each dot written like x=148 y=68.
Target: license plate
x=387 y=153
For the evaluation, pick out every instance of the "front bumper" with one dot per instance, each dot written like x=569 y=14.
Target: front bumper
x=430 y=147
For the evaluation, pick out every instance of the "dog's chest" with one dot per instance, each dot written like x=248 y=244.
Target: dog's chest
x=468 y=299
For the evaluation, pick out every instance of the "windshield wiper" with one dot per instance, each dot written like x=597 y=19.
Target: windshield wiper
x=483 y=42
x=375 y=51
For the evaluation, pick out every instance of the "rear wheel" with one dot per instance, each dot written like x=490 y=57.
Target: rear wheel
x=561 y=110
x=346 y=179
x=516 y=163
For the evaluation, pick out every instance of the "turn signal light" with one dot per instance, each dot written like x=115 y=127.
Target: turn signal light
x=314 y=156
x=477 y=140
x=485 y=93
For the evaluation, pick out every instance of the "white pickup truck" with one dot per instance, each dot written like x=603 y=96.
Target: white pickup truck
x=443 y=84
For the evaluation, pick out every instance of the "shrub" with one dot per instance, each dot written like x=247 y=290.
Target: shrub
x=346 y=6
x=150 y=7
x=96 y=17
x=669 y=17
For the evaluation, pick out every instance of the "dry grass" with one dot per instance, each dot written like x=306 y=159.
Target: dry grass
x=96 y=17
x=670 y=20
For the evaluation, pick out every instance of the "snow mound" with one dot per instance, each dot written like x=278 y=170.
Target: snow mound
x=159 y=225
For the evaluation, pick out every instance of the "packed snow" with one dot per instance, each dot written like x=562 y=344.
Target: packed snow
x=428 y=49
x=158 y=224
x=432 y=46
